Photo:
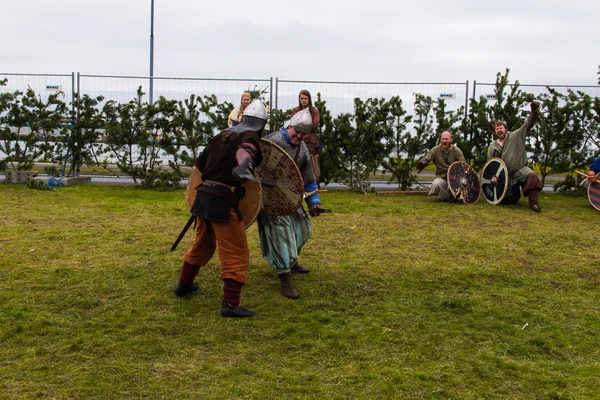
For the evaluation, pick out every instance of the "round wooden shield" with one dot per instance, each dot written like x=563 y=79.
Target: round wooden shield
x=277 y=166
x=594 y=194
x=494 y=181
x=249 y=205
x=464 y=182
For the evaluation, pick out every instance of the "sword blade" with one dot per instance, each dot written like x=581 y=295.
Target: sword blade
x=262 y=181
x=183 y=232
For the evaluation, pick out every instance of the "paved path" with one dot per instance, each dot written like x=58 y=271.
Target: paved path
x=377 y=184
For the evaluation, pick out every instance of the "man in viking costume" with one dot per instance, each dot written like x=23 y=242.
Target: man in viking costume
x=510 y=147
x=442 y=156
x=282 y=237
x=305 y=102
x=229 y=155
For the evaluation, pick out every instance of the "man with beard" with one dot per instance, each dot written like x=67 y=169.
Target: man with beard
x=229 y=155
x=510 y=147
x=282 y=237
x=442 y=155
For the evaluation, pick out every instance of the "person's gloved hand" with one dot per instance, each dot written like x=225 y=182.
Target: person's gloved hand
x=241 y=169
x=421 y=164
x=314 y=210
x=591 y=175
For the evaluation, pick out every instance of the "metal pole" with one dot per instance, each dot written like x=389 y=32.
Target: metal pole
x=152 y=53
x=474 y=87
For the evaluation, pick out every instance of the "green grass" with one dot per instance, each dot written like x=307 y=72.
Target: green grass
x=406 y=298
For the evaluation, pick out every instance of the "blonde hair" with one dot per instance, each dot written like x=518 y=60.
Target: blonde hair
x=242 y=106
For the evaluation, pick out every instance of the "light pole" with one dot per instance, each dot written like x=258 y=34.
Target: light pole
x=152 y=53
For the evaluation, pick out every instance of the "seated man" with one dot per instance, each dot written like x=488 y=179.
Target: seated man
x=442 y=155
x=511 y=148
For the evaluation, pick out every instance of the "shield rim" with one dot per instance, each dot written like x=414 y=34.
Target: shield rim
x=503 y=166
x=264 y=192
x=466 y=167
x=189 y=199
x=596 y=186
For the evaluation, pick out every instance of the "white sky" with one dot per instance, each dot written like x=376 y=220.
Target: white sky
x=542 y=42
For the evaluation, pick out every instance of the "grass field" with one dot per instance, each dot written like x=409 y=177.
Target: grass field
x=406 y=298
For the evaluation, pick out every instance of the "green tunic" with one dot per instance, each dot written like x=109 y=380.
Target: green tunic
x=513 y=153
x=442 y=160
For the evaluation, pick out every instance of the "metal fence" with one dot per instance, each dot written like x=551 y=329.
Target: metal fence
x=487 y=90
x=123 y=89
x=339 y=96
x=281 y=94
x=42 y=84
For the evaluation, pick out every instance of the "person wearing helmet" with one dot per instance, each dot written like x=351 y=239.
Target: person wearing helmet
x=229 y=155
x=282 y=237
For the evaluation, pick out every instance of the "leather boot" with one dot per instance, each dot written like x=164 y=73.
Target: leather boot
x=533 y=200
x=299 y=269
x=182 y=290
x=286 y=286
x=228 y=311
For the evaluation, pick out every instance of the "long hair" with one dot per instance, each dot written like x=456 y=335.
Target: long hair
x=242 y=106
x=307 y=94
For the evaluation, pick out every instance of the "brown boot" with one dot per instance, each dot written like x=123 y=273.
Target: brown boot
x=299 y=269
x=286 y=286
x=533 y=200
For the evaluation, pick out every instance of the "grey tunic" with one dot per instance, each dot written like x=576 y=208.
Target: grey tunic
x=443 y=160
x=513 y=153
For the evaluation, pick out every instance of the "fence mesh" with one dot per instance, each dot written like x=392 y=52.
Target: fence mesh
x=124 y=88
x=487 y=90
x=339 y=96
x=42 y=84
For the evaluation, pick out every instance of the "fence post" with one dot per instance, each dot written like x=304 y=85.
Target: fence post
x=277 y=93
x=467 y=98
x=474 y=87
x=73 y=93
x=271 y=94
x=78 y=92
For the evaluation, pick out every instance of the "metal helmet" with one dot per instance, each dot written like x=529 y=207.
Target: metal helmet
x=253 y=119
x=256 y=109
x=302 y=121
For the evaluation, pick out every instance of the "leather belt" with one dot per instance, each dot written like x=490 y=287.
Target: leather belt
x=210 y=183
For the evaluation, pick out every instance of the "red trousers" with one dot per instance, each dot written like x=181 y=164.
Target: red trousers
x=230 y=239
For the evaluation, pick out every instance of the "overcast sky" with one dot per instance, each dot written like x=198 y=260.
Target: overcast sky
x=542 y=42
